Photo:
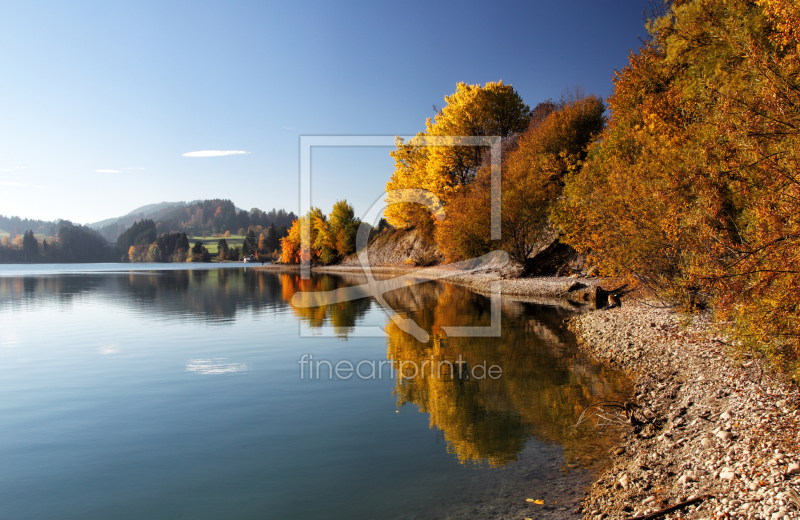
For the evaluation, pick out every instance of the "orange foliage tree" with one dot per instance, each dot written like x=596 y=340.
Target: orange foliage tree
x=533 y=170
x=693 y=189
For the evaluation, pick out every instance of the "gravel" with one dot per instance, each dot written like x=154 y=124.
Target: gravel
x=709 y=424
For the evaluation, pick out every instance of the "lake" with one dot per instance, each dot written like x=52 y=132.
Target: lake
x=161 y=391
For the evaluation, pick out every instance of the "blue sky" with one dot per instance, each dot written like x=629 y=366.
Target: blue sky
x=100 y=100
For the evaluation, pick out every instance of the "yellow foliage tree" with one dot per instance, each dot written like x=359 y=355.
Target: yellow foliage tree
x=473 y=110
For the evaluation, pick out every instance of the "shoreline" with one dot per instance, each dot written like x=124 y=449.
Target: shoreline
x=712 y=425
x=544 y=289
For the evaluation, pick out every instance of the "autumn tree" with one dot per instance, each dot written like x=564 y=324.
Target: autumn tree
x=692 y=190
x=495 y=109
x=343 y=228
x=292 y=246
x=533 y=172
x=330 y=236
x=153 y=253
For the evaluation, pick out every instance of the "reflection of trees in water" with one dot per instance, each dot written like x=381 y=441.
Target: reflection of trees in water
x=215 y=294
x=25 y=290
x=544 y=385
x=210 y=294
x=342 y=316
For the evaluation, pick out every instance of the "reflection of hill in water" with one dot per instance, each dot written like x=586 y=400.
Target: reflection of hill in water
x=545 y=382
x=213 y=295
x=210 y=294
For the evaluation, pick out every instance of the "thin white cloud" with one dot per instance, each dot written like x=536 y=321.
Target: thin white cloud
x=6 y=170
x=11 y=184
x=20 y=167
x=108 y=171
x=134 y=168
x=214 y=153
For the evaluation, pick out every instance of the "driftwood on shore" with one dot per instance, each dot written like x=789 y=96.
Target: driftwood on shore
x=601 y=296
x=670 y=509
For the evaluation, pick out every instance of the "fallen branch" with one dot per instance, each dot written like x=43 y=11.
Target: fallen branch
x=670 y=509
x=603 y=418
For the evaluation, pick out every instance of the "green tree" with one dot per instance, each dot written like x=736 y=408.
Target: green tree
x=197 y=248
x=29 y=245
x=272 y=239
x=222 y=248
x=250 y=243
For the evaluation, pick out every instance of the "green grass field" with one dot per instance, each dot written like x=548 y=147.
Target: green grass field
x=211 y=242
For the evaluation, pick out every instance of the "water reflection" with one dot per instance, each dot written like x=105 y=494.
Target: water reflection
x=544 y=385
x=545 y=381
x=342 y=316
x=211 y=295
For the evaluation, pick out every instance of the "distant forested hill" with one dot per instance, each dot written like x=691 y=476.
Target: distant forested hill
x=198 y=218
x=148 y=211
x=113 y=227
x=17 y=226
x=195 y=218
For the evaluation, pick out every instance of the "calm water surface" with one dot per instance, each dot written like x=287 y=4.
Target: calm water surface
x=177 y=393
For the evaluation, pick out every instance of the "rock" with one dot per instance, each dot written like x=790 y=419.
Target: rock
x=706 y=443
x=727 y=416
x=576 y=286
x=725 y=436
x=727 y=474
x=648 y=500
x=624 y=482
x=619 y=451
x=793 y=469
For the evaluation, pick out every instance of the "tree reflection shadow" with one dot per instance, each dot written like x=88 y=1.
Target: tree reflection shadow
x=545 y=381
